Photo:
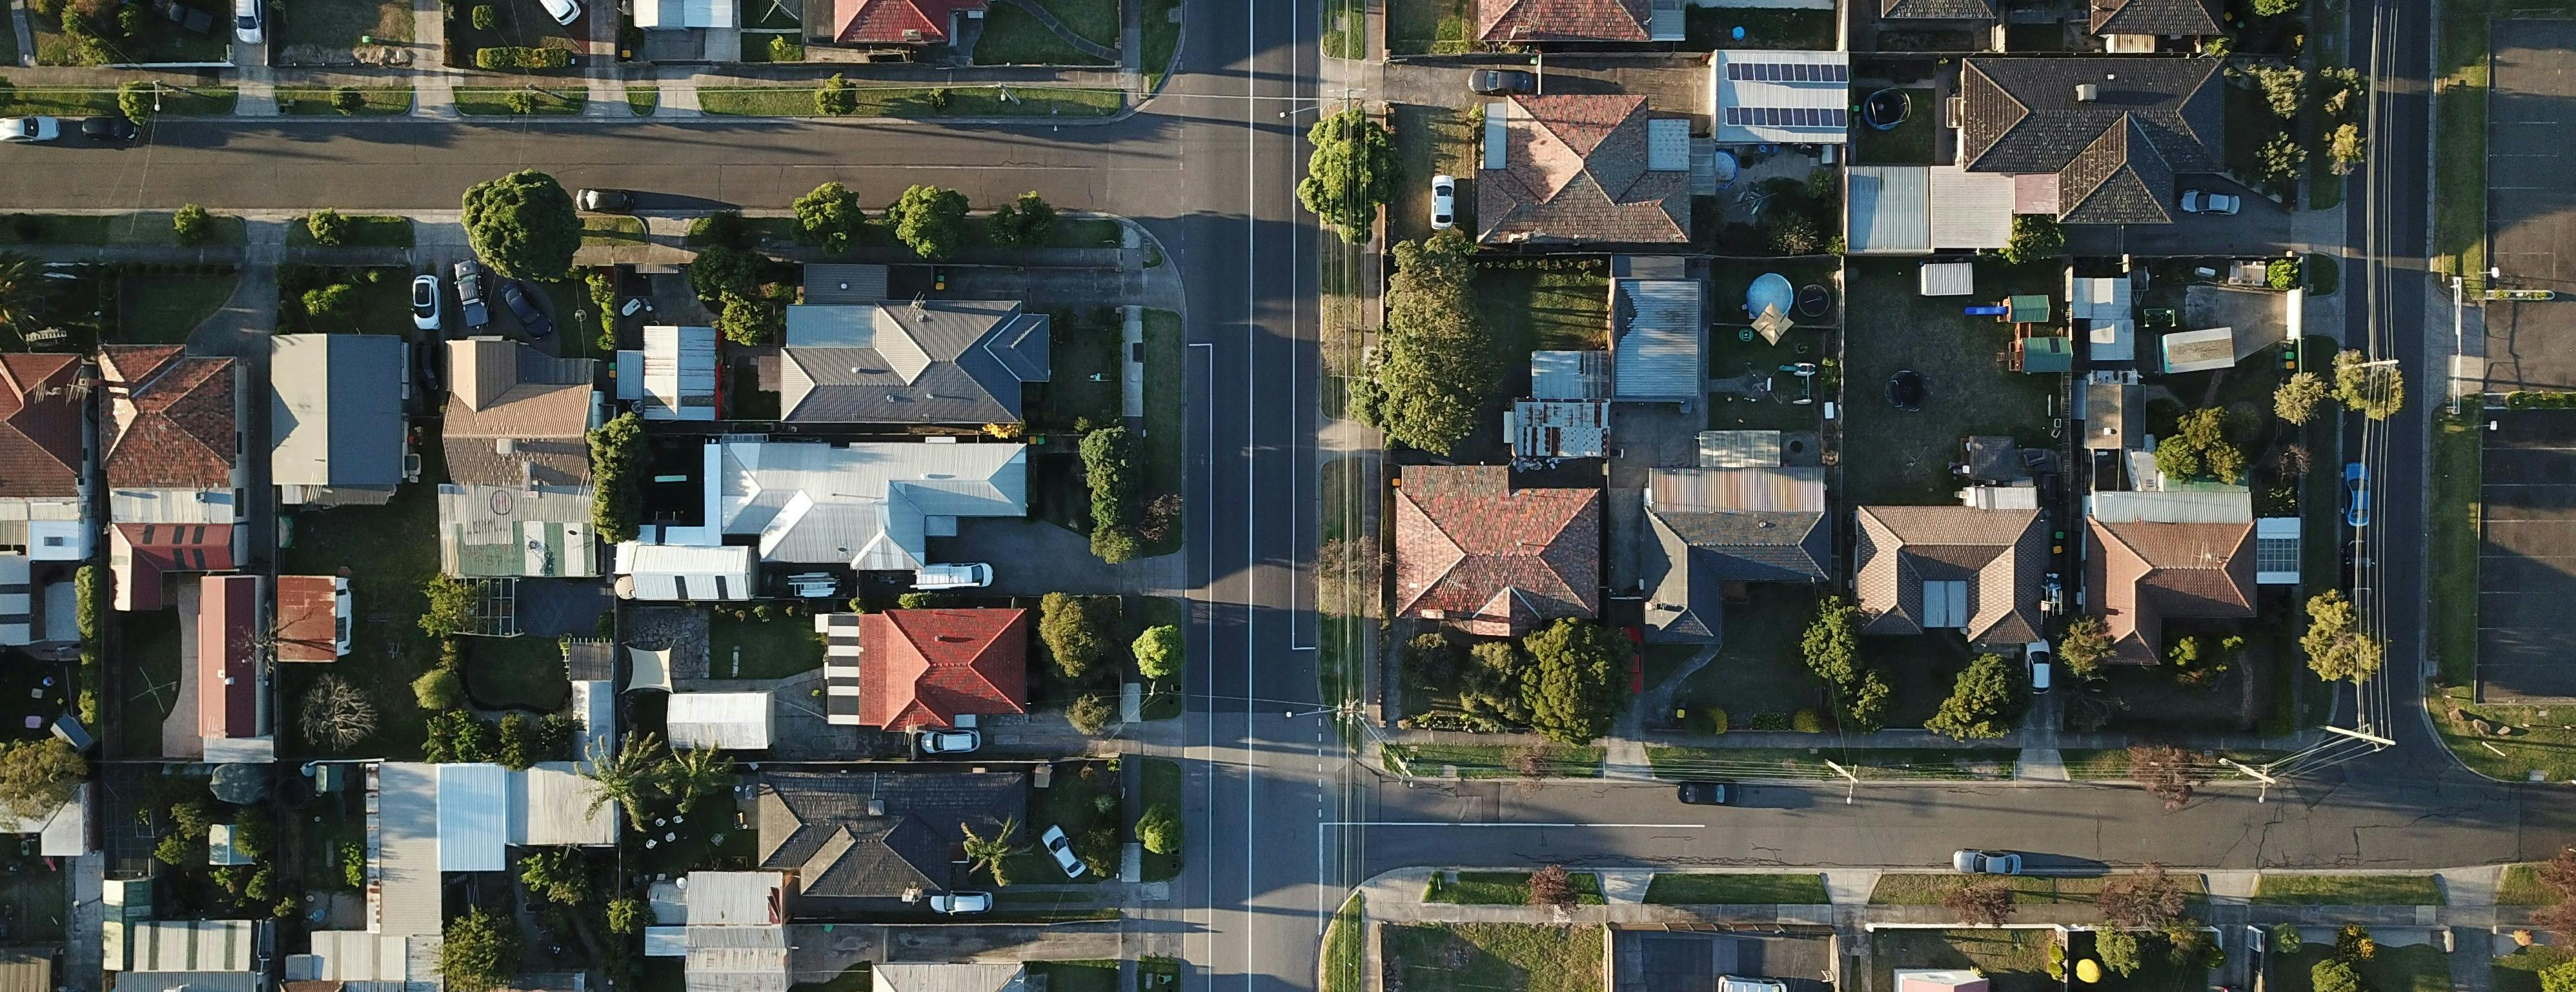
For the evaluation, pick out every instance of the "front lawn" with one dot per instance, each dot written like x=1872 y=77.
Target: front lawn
x=1015 y=37
x=1504 y=888
x=611 y=229
x=2407 y=968
x=1903 y=457
x=160 y=40
x=331 y=31
x=2348 y=890
x=1738 y=888
x=761 y=648
x=1909 y=142
x=2520 y=970
x=1428 y=27
x=1492 y=957
x=516 y=673
x=163 y=309
x=2521 y=886
x=915 y=101
x=150 y=652
x=495 y=101
x=1499 y=760
x=1759 y=678
x=2013 y=960
x=1071 y=801
x=377 y=301
x=391 y=554
x=375 y=101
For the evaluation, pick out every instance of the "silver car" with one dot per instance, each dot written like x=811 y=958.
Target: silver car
x=2200 y=202
x=961 y=903
x=29 y=129
x=1061 y=847
x=949 y=741
x=428 y=305
x=1986 y=862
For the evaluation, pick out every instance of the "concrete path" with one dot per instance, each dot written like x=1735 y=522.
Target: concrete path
x=179 y=737
x=26 y=32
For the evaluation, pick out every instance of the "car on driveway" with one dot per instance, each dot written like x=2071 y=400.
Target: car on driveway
x=1444 y=202
x=949 y=741
x=1502 y=82
x=2203 y=202
x=961 y=903
x=428 y=305
x=975 y=575
x=531 y=319
x=469 y=294
x=605 y=201
x=1986 y=862
x=1905 y=390
x=111 y=128
x=1705 y=793
x=2039 y=657
x=29 y=129
x=2356 y=495
x=563 y=11
x=425 y=359
x=1062 y=848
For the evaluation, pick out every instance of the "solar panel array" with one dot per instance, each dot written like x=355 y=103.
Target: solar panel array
x=1834 y=117
x=1789 y=72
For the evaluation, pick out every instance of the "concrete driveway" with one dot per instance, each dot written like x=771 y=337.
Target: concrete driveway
x=1675 y=82
x=2261 y=228
x=1032 y=557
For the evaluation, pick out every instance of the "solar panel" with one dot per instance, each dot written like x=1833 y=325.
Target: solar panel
x=1789 y=72
x=1815 y=117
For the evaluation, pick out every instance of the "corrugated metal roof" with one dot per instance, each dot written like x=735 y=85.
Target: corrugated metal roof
x=550 y=804
x=2199 y=351
x=666 y=942
x=1559 y=428
x=1570 y=375
x=1796 y=490
x=737 y=959
x=1890 y=210
x=734 y=721
x=892 y=977
x=594 y=706
x=406 y=898
x=473 y=817
x=1739 y=449
x=677 y=571
x=1668 y=144
x=1656 y=354
x=721 y=898
x=863 y=505
x=356 y=956
x=335 y=405
x=516 y=532
x=679 y=381
x=2172 y=507
x=188 y=946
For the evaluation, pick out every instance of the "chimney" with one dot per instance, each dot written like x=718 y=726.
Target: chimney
x=2087 y=93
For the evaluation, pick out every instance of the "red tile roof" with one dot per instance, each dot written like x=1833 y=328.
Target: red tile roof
x=172 y=418
x=1471 y=550
x=144 y=553
x=922 y=668
x=1574 y=168
x=1573 y=20
x=308 y=622
x=885 y=21
x=227 y=676
x=40 y=425
x=2147 y=573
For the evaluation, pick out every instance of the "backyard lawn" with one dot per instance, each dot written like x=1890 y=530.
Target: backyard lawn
x=150 y=685
x=163 y=309
x=1492 y=957
x=31 y=900
x=1744 y=888
x=762 y=649
x=390 y=559
x=1553 y=309
x=2408 y=968
x=2014 y=960
x=521 y=672
x=1908 y=454
x=1908 y=143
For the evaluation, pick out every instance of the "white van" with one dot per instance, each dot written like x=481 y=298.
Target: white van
x=246 y=22
x=2038 y=654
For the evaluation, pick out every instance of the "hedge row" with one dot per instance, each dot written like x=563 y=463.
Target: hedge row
x=511 y=57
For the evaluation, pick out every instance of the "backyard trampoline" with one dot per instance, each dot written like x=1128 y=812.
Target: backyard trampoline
x=1886 y=109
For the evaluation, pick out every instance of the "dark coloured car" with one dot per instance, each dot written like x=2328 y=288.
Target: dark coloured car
x=605 y=201
x=531 y=319
x=1502 y=82
x=108 y=129
x=1705 y=793
x=1905 y=390
x=425 y=359
x=469 y=295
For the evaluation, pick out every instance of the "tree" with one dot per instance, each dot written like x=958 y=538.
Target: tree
x=930 y=220
x=2198 y=448
x=1352 y=172
x=191 y=225
x=481 y=951
x=2147 y=898
x=1159 y=651
x=135 y=100
x=616 y=476
x=1987 y=903
x=523 y=226
x=836 y=97
x=691 y=775
x=722 y=270
x=1572 y=688
x=2344 y=148
x=326 y=226
x=2118 y=950
x=2335 y=975
x=829 y=217
x=2353 y=943
x=2336 y=646
x=38 y=777
x=2285 y=938
x=336 y=714
x=991 y=853
x=1435 y=365
x=1090 y=714
x=2377 y=389
x=2296 y=401
x=2284 y=87
x=2560 y=977
x=171 y=850
x=628 y=777
x=1551 y=887
x=2279 y=159
x=1831 y=644
x=452 y=604
x=1865 y=708
x=438 y=689
x=2034 y=237
x=2165 y=770
x=1026 y=222
x=1160 y=829
x=518 y=741
x=1109 y=468
x=748 y=321
x=558 y=875
x=626 y=915
x=1071 y=633
x=22 y=292
x=1978 y=702
x=2084 y=647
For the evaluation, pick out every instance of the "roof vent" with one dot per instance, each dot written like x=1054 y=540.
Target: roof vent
x=2087 y=93
x=504 y=445
x=876 y=806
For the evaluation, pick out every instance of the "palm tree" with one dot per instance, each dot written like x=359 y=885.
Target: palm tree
x=627 y=778
x=695 y=774
x=989 y=853
x=22 y=292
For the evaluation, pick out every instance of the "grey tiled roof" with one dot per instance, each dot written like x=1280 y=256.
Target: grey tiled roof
x=818 y=826
x=2116 y=153
x=2118 y=179
x=2157 y=17
x=1936 y=10
x=1749 y=546
x=936 y=362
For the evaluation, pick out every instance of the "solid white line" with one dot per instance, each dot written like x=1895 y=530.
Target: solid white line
x=1251 y=445
x=1446 y=823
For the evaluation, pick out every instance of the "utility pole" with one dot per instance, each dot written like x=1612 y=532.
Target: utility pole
x=2267 y=780
x=2359 y=736
x=1854 y=781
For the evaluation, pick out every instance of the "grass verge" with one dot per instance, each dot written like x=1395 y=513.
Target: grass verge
x=1738 y=888
x=494 y=101
x=1927 y=888
x=1346 y=948
x=916 y=101
x=2348 y=890
x=374 y=101
x=1504 y=888
x=2460 y=140
x=365 y=231
x=1500 y=760
x=643 y=99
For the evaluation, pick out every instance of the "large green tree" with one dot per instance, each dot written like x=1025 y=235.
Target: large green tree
x=1027 y=222
x=2336 y=646
x=2199 y=448
x=1572 y=687
x=1435 y=365
x=1073 y=634
x=2084 y=647
x=616 y=469
x=828 y=217
x=1979 y=702
x=930 y=220
x=2377 y=389
x=38 y=777
x=22 y=293
x=481 y=951
x=1159 y=651
x=523 y=226
x=1352 y=172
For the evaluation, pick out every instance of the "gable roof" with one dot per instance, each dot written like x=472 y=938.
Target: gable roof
x=171 y=418
x=1574 y=167
x=925 y=362
x=1564 y=20
x=227 y=681
x=868 y=505
x=2116 y=153
x=2157 y=17
x=142 y=554
x=501 y=390
x=1936 y=10
x=885 y=21
x=335 y=412
x=40 y=425
x=1471 y=549
x=818 y=827
x=1999 y=555
x=2143 y=573
x=921 y=668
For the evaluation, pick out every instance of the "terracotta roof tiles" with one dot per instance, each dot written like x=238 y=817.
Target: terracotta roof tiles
x=922 y=668
x=40 y=425
x=172 y=418
x=1472 y=550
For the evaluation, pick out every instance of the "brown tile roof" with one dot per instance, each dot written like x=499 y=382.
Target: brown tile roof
x=2116 y=155
x=2157 y=17
x=171 y=418
x=2000 y=554
x=921 y=668
x=40 y=425
x=1574 y=20
x=227 y=685
x=504 y=390
x=2142 y=574
x=308 y=626
x=885 y=21
x=1472 y=550
x=1575 y=169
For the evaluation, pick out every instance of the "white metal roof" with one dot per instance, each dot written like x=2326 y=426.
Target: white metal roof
x=865 y=505
x=666 y=942
x=473 y=817
x=594 y=708
x=550 y=804
x=1765 y=96
x=679 y=366
x=2199 y=351
x=1890 y=210
x=673 y=571
x=736 y=721
x=736 y=898
x=63 y=833
x=1656 y=356
x=1947 y=279
x=406 y=898
x=684 y=14
x=2193 y=506
x=1570 y=375
x=354 y=956
x=188 y=945
x=737 y=959
x=1969 y=211
x=891 y=977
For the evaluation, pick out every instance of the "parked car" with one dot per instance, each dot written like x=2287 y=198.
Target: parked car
x=1502 y=82
x=563 y=11
x=1444 y=202
x=29 y=129
x=2201 y=202
x=531 y=319
x=961 y=903
x=1987 y=862
x=949 y=741
x=975 y=576
x=469 y=295
x=605 y=201
x=2040 y=658
x=1905 y=390
x=1705 y=794
x=426 y=358
x=110 y=128
x=2356 y=495
x=246 y=22
x=428 y=305
x=1061 y=847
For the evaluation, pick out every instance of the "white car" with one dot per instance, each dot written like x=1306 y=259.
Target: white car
x=1444 y=202
x=1062 y=847
x=949 y=741
x=1986 y=862
x=428 y=305
x=246 y=22
x=2198 y=202
x=30 y=129
x=961 y=903
x=563 y=11
x=2037 y=653
x=975 y=576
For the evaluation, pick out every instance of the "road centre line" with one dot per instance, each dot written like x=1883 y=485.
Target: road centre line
x=1449 y=823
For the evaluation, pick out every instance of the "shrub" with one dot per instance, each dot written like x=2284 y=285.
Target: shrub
x=1073 y=635
x=1159 y=651
x=520 y=102
x=485 y=18
x=783 y=49
x=1108 y=466
x=2285 y=938
x=347 y=100
x=1978 y=702
x=2282 y=273
x=1794 y=234
x=1090 y=714
x=724 y=228
x=836 y=97
x=2034 y=237
x=438 y=689
x=1160 y=829
x=327 y=227
x=1807 y=722
x=2335 y=975
x=134 y=100
x=171 y=850
x=330 y=301
x=939 y=98
x=626 y=915
x=2280 y=159
x=353 y=864
x=616 y=462
x=1714 y=720
x=514 y=57
x=191 y=226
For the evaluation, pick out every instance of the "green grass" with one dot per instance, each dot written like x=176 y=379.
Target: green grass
x=1077 y=976
x=2539 y=744
x=149 y=227
x=756 y=48
x=1738 y=888
x=914 y=101
x=163 y=309
x=2408 y=968
x=1345 y=28
x=2460 y=141
x=1162 y=787
x=32 y=898
x=1806 y=763
x=523 y=672
x=1773 y=28
x=1910 y=143
x=1758 y=678
x=1893 y=328
x=1428 y=27
x=2454 y=550
x=1544 y=309
x=1162 y=696
x=2521 y=886
x=1927 y=888
x=2324 y=274
x=365 y=231
x=339 y=25
x=1493 y=957
x=643 y=99
x=2520 y=970
x=380 y=101
x=85 y=101
x=1165 y=352
x=768 y=649
x=493 y=101
x=389 y=551
x=1497 y=760
x=1346 y=947
x=611 y=229
x=1067 y=803
x=150 y=652
x=1015 y=37
x=707 y=843
x=1162 y=40
x=1157 y=974
x=1504 y=888
x=383 y=303
x=2013 y=960
x=2348 y=890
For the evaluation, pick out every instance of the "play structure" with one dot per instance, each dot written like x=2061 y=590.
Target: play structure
x=1768 y=303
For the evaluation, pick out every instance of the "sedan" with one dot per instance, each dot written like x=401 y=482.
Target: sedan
x=605 y=201
x=428 y=305
x=2356 y=495
x=1986 y=862
x=949 y=741
x=1444 y=202
x=30 y=129
x=961 y=903
x=2198 y=202
x=1062 y=848
x=1905 y=390
x=109 y=128
x=531 y=319
x=1705 y=794
x=1502 y=82
x=563 y=11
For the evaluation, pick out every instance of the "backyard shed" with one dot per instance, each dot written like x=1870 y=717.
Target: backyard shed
x=1948 y=279
x=729 y=721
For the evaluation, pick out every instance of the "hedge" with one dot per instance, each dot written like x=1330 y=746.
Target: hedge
x=511 y=57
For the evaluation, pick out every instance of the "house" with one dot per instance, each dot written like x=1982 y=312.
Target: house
x=732 y=935
x=1657 y=319
x=44 y=495
x=673 y=377
x=888 y=22
x=1922 y=209
x=61 y=832
x=1709 y=529
x=919 y=362
x=2092 y=139
x=312 y=617
x=871 y=506
x=337 y=435
x=667 y=572
x=927 y=668
x=173 y=473
x=2134 y=25
x=986 y=977
x=675 y=14
x=2167 y=555
x=1503 y=22
x=1769 y=96
x=1571 y=169
x=1972 y=12
x=233 y=718
x=484 y=809
x=872 y=841
x=508 y=532
x=725 y=721
x=1472 y=551
x=1951 y=568
x=516 y=416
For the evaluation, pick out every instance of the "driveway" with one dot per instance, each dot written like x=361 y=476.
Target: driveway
x=2262 y=227
x=1675 y=83
x=1032 y=557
